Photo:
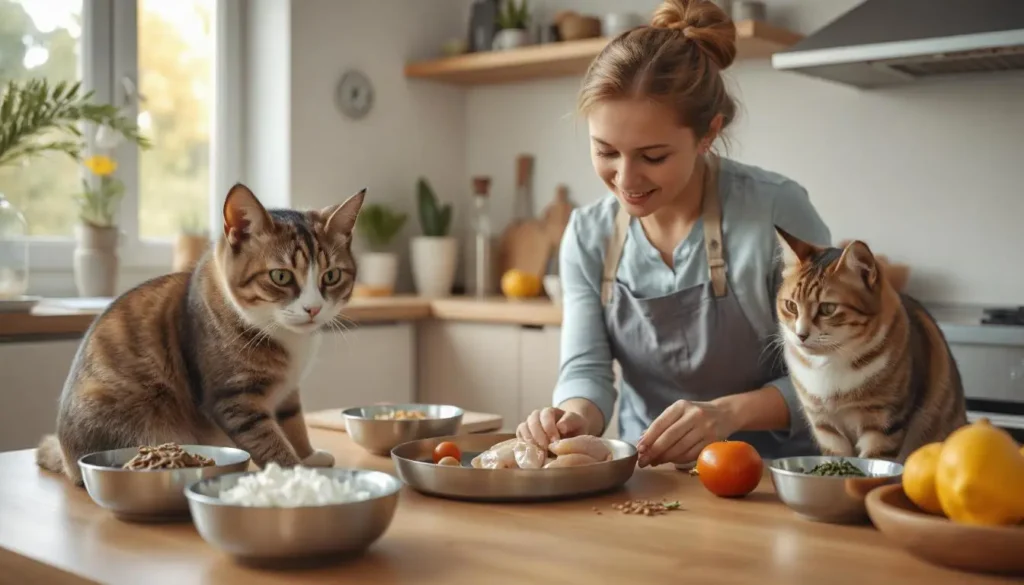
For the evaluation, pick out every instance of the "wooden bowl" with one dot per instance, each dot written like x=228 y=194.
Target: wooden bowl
x=938 y=540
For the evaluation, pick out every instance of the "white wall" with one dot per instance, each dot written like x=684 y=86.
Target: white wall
x=414 y=128
x=926 y=173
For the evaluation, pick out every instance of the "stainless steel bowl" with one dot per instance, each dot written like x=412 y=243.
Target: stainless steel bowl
x=415 y=465
x=151 y=495
x=381 y=436
x=833 y=499
x=268 y=534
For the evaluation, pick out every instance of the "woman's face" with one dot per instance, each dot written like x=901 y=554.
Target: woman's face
x=641 y=152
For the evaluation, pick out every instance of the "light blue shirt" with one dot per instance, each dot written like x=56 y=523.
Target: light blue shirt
x=753 y=200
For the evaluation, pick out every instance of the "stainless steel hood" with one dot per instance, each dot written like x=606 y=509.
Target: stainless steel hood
x=888 y=42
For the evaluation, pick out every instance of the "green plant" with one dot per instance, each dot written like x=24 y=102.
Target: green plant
x=379 y=224
x=30 y=110
x=512 y=16
x=435 y=218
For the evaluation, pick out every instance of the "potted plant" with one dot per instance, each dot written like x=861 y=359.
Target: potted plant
x=434 y=255
x=40 y=117
x=513 y=23
x=192 y=242
x=96 y=233
x=378 y=224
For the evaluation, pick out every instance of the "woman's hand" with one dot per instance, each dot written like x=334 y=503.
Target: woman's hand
x=550 y=424
x=682 y=430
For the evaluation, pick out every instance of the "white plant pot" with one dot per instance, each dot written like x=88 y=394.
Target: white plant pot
x=96 y=260
x=433 y=265
x=510 y=38
x=378 y=273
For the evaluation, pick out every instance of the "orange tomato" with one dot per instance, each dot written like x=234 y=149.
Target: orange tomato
x=447 y=449
x=730 y=469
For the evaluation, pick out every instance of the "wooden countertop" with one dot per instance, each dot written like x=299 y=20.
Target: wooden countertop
x=44 y=321
x=51 y=532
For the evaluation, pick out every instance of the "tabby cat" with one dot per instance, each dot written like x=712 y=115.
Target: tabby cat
x=871 y=367
x=214 y=356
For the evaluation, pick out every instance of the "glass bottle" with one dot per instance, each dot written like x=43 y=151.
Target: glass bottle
x=13 y=251
x=482 y=284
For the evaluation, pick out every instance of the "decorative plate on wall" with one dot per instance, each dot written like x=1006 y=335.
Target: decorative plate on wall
x=354 y=94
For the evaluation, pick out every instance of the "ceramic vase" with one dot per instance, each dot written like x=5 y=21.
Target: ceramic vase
x=510 y=38
x=96 y=260
x=434 y=259
x=377 y=273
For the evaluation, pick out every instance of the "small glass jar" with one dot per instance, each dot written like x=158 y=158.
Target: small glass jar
x=13 y=251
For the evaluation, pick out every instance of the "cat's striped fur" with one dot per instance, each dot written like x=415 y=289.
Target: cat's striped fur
x=214 y=356
x=871 y=367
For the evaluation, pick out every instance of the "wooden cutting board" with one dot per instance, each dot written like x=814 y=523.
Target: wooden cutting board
x=472 y=422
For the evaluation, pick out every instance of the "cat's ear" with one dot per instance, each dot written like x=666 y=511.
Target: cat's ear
x=342 y=218
x=244 y=215
x=794 y=250
x=858 y=259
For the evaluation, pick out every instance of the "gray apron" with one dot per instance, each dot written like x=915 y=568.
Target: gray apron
x=695 y=344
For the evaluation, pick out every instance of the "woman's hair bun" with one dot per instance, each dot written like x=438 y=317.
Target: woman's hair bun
x=704 y=23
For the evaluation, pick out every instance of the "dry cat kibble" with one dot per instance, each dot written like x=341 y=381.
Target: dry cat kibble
x=166 y=456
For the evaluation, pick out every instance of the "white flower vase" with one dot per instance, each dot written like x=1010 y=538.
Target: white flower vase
x=434 y=259
x=96 y=260
x=378 y=273
x=511 y=38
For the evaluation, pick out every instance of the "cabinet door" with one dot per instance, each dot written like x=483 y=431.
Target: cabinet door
x=33 y=376
x=539 y=359
x=471 y=365
x=367 y=364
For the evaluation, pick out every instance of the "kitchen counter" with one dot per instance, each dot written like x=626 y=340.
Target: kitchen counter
x=46 y=321
x=51 y=532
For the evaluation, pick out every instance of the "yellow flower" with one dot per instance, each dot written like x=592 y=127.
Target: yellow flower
x=101 y=165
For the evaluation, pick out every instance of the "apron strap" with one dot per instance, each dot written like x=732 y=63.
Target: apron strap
x=613 y=253
x=712 y=214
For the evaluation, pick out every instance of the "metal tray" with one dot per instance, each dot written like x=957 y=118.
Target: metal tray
x=415 y=465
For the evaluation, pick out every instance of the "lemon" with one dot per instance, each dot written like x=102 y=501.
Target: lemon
x=919 y=478
x=518 y=284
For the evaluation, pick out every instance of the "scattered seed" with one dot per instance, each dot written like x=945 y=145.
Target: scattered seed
x=646 y=507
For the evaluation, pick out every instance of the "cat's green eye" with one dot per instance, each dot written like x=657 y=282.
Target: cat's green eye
x=791 y=306
x=331 y=277
x=281 y=277
x=826 y=309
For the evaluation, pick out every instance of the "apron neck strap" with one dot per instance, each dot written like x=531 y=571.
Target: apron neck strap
x=711 y=213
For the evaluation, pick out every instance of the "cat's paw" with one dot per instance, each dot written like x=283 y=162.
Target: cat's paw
x=319 y=458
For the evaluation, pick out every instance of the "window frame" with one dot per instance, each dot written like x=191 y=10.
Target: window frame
x=110 y=55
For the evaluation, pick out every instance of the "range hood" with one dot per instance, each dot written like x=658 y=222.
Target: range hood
x=888 y=42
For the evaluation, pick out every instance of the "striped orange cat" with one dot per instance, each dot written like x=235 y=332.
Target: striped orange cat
x=873 y=371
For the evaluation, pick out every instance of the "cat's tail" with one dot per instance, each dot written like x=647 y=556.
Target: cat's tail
x=48 y=454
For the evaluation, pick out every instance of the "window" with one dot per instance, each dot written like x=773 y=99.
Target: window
x=157 y=60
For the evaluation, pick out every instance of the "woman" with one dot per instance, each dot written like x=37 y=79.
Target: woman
x=674 y=276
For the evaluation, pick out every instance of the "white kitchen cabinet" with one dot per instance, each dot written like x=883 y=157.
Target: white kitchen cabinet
x=538 y=367
x=367 y=364
x=32 y=374
x=471 y=365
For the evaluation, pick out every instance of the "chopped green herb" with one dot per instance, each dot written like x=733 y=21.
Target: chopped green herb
x=836 y=468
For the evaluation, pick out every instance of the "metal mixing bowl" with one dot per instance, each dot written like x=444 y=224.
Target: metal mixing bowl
x=824 y=498
x=380 y=436
x=151 y=495
x=268 y=534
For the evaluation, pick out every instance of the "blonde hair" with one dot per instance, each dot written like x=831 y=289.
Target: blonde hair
x=677 y=60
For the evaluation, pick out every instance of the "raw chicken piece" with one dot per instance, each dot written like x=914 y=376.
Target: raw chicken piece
x=500 y=456
x=584 y=445
x=570 y=460
x=529 y=455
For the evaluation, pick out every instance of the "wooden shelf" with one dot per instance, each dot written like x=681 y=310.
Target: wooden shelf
x=754 y=40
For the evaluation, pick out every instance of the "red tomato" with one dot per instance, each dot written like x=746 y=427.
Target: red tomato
x=730 y=469
x=447 y=449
